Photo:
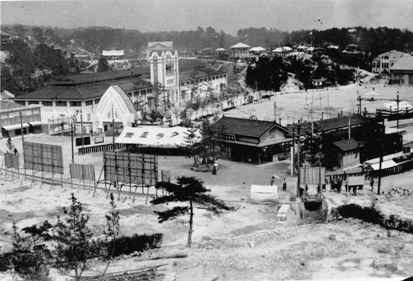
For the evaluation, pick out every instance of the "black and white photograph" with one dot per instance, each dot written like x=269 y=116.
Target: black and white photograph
x=206 y=140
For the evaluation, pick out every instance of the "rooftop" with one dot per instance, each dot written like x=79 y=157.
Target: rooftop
x=404 y=63
x=240 y=46
x=348 y=144
x=8 y=104
x=245 y=127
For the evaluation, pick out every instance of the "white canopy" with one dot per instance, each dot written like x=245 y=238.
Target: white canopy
x=257 y=49
x=384 y=165
x=220 y=50
x=263 y=193
x=156 y=136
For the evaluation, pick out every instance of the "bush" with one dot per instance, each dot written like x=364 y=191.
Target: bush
x=372 y=215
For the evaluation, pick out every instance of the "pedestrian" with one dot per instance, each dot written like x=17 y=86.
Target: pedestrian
x=345 y=185
x=272 y=182
x=215 y=167
x=284 y=185
x=371 y=183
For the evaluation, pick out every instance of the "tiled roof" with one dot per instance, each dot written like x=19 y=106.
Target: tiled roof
x=240 y=46
x=347 y=145
x=244 y=127
x=404 y=63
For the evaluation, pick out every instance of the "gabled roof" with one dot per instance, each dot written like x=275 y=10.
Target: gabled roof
x=240 y=46
x=348 y=144
x=6 y=95
x=245 y=127
x=404 y=63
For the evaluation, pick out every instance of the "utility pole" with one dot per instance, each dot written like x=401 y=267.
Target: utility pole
x=398 y=115
x=275 y=111
x=359 y=104
x=298 y=158
x=113 y=130
x=292 y=156
x=381 y=160
x=349 y=126
x=21 y=128
x=81 y=127
x=71 y=138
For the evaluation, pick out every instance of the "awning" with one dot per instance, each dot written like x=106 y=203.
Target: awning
x=15 y=127
x=36 y=123
x=384 y=165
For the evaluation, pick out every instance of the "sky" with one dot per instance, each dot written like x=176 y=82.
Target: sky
x=225 y=15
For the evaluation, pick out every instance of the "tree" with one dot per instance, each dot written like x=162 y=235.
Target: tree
x=186 y=190
x=102 y=65
x=113 y=229
x=73 y=237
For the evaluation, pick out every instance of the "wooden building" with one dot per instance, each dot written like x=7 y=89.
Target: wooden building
x=251 y=141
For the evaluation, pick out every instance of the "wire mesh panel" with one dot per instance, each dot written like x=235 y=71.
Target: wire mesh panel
x=312 y=175
x=129 y=168
x=82 y=171
x=43 y=157
x=11 y=161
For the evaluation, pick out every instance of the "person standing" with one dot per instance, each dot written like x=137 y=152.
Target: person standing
x=215 y=167
x=272 y=182
x=371 y=183
x=284 y=185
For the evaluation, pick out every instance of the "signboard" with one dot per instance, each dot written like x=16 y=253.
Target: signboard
x=130 y=168
x=355 y=180
x=311 y=175
x=86 y=141
x=43 y=157
x=82 y=172
x=99 y=139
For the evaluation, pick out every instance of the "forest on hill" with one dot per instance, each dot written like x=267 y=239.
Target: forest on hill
x=32 y=54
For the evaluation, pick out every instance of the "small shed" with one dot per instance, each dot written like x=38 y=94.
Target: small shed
x=349 y=151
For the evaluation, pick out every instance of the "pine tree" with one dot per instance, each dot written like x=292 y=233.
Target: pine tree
x=73 y=237
x=191 y=191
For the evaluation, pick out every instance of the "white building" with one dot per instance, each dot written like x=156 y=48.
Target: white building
x=386 y=60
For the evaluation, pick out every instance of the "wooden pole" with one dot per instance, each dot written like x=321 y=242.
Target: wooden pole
x=398 y=115
x=298 y=159
x=21 y=127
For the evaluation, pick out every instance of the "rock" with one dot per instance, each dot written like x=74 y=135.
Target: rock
x=332 y=237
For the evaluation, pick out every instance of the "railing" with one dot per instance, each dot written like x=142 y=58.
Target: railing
x=100 y=148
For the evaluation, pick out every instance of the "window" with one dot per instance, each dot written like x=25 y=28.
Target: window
x=89 y=102
x=97 y=101
x=47 y=103
x=33 y=102
x=21 y=102
x=75 y=103
x=61 y=103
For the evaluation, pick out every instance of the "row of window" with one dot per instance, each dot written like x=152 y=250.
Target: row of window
x=60 y=103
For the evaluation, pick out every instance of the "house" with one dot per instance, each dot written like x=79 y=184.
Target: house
x=402 y=71
x=240 y=51
x=113 y=54
x=251 y=141
x=348 y=152
x=383 y=62
x=14 y=117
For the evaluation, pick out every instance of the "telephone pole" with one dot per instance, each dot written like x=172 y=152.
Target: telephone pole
x=398 y=114
x=113 y=130
x=298 y=158
x=21 y=128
